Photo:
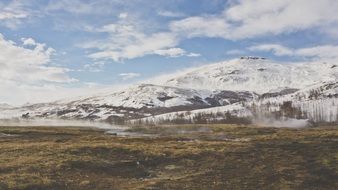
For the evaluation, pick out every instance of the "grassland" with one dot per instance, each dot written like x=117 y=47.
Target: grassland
x=176 y=157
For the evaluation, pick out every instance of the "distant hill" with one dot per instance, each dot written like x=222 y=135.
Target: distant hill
x=235 y=91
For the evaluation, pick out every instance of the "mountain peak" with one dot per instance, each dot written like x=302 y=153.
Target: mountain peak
x=255 y=74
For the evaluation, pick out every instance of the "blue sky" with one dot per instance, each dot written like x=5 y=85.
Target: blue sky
x=50 y=49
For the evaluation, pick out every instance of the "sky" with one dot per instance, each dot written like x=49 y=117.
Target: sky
x=55 y=49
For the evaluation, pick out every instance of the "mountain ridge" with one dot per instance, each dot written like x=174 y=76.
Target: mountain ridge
x=250 y=73
x=248 y=83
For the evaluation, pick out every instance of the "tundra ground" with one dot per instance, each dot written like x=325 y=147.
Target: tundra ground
x=169 y=157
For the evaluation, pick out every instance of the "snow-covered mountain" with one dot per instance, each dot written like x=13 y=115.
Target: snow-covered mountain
x=232 y=91
x=135 y=102
x=255 y=74
x=317 y=104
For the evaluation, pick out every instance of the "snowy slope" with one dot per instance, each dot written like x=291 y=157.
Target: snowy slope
x=255 y=74
x=214 y=113
x=318 y=103
x=134 y=102
x=146 y=95
x=5 y=106
x=244 y=87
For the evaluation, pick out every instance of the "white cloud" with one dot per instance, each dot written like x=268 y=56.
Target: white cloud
x=193 y=55
x=89 y=7
x=175 y=52
x=277 y=49
x=324 y=53
x=127 y=76
x=12 y=13
x=132 y=44
x=123 y=15
x=28 y=65
x=171 y=52
x=94 y=67
x=28 y=42
x=74 y=6
x=201 y=26
x=25 y=71
x=127 y=41
x=170 y=14
x=252 y=18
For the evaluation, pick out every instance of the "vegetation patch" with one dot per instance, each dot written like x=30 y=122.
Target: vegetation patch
x=178 y=157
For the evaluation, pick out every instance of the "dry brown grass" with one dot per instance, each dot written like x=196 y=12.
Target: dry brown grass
x=215 y=157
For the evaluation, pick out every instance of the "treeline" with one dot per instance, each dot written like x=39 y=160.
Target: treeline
x=316 y=112
x=277 y=111
x=196 y=118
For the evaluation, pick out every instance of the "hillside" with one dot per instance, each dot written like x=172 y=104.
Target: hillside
x=247 y=88
x=256 y=74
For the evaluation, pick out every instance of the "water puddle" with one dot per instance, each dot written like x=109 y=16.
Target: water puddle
x=181 y=134
x=128 y=134
x=2 y=135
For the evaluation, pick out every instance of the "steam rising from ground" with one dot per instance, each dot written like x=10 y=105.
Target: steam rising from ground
x=266 y=122
x=285 y=122
x=54 y=123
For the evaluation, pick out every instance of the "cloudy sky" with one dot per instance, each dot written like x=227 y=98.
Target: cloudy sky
x=53 y=49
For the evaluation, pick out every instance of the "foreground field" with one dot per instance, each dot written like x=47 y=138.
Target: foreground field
x=175 y=157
